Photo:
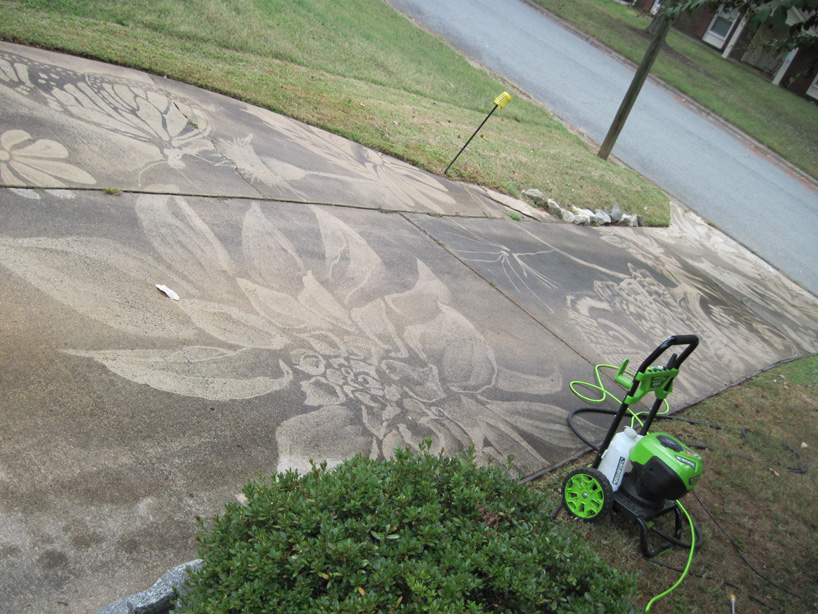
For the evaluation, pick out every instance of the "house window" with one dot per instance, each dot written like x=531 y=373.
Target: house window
x=720 y=28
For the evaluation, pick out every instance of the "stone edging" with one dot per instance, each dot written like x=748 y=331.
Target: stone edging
x=582 y=217
x=157 y=599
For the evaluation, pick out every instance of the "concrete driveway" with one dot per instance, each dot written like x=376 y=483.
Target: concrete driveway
x=331 y=300
x=710 y=169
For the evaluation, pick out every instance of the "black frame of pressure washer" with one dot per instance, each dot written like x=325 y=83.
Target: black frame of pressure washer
x=691 y=341
x=644 y=517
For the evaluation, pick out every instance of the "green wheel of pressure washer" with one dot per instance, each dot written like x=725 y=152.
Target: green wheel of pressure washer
x=587 y=494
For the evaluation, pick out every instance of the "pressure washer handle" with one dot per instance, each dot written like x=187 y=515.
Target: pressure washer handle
x=672 y=367
x=660 y=389
x=691 y=341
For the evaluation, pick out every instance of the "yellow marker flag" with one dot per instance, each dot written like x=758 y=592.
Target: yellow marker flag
x=499 y=102
x=502 y=100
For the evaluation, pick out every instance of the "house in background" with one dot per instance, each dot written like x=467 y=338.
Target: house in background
x=796 y=71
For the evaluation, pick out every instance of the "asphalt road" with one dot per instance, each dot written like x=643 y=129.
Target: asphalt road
x=694 y=159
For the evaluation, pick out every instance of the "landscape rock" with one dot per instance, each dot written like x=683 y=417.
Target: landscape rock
x=157 y=599
x=580 y=215
x=629 y=220
x=583 y=217
x=536 y=196
x=601 y=218
x=554 y=208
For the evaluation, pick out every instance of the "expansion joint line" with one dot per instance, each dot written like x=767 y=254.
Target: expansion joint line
x=505 y=295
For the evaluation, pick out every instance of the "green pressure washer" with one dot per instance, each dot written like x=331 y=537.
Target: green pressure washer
x=641 y=475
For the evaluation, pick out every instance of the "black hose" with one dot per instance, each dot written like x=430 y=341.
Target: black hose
x=581 y=410
x=800 y=467
x=612 y=412
x=740 y=553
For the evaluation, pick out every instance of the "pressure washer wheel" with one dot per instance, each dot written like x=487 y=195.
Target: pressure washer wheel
x=587 y=494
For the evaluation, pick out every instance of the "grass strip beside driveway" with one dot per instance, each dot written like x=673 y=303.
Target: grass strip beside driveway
x=356 y=68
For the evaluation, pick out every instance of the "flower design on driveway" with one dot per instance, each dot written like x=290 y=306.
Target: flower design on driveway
x=171 y=130
x=365 y=174
x=523 y=277
x=39 y=163
x=616 y=315
x=375 y=369
x=624 y=292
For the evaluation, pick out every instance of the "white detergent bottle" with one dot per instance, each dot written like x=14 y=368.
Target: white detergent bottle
x=615 y=460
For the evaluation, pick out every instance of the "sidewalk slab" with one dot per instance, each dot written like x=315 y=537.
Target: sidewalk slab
x=82 y=124
x=285 y=159
x=122 y=129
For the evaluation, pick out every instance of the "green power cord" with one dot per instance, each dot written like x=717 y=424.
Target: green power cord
x=689 y=560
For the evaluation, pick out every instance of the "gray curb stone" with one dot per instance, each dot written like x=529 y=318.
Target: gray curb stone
x=155 y=600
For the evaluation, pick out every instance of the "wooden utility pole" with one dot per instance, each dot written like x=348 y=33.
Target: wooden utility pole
x=635 y=88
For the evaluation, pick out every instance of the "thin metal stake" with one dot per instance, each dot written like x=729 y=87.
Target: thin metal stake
x=499 y=102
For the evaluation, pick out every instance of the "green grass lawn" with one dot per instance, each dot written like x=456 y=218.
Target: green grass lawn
x=784 y=122
x=356 y=68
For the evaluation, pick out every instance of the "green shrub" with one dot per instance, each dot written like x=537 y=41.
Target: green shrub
x=417 y=533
